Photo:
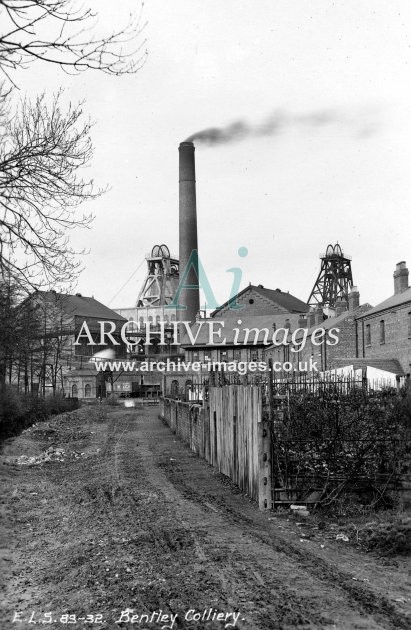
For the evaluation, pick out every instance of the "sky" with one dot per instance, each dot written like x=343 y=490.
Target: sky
x=335 y=79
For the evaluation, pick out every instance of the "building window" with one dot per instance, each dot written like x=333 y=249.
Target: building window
x=253 y=354
x=382 y=331
x=409 y=325
x=87 y=390
x=223 y=355
x=237 y=354
x=368 y=335
x=74 y=391
x=287 y=324
x=196 y=355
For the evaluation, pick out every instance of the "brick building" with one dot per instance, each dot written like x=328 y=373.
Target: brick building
x=372 y=340
x=56 y=363
x=384 y=332
x=322 y=349
x=264 y=309
x=257 y=300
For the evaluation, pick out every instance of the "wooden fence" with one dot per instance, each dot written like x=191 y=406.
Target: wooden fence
x=229 y=432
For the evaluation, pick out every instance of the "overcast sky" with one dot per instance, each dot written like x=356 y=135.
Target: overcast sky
x=336 y=167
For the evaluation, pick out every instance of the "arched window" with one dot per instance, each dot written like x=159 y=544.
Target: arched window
x=87 y=390
x=166 y=320
x=141 y=320
x=158 y=320
x=174 y=389
x=173 y=318
x=74 y=391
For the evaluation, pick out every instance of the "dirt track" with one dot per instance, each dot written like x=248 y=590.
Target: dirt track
x=131 y=518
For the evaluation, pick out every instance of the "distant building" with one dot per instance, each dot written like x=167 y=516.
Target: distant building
x=375 y=342
x=263 y=309
x=323 y=351
x=256 y=300
x=57 y=364
x=157 y=291
x=384 y=332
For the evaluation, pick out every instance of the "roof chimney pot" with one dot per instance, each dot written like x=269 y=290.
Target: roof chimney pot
x=353 y=299
x=400 y=277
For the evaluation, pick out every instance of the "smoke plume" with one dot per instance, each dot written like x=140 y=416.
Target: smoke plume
x=360 y=124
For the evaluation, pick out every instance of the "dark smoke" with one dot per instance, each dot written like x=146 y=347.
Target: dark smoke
x=279 y=121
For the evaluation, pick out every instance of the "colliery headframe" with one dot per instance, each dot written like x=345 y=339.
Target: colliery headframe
x=334 y=281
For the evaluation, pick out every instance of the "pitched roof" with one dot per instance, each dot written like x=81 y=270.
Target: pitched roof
x=81 y=305
x=395 y=300
x=386 y=365
x=289 y=302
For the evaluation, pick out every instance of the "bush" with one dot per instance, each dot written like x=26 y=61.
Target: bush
x=11 y=404
x=391 y=537
x=333 y=443
x=19 y=411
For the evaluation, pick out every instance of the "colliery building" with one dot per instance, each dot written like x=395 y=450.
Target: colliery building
x=157 y=291
x=256 y=308
x=368 y=337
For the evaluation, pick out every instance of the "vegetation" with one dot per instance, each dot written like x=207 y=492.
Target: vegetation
x=336 y=444
x=389 y=536
x=19 y=411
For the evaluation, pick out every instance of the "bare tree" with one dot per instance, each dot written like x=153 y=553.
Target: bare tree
x=42 y=153
x=44 y=147
x=57 y=32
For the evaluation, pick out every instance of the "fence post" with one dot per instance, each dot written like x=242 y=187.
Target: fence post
x=265 y=497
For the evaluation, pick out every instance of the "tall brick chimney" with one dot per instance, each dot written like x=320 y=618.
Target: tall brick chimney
x=189 y=298
x=400 y=277
x=353 y=299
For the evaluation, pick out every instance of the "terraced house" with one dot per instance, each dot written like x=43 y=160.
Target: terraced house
x=373 y=341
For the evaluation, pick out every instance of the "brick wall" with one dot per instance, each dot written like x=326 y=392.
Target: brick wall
x=397 y=342
x=325 y=355
x=177 y=384
x=190 y=422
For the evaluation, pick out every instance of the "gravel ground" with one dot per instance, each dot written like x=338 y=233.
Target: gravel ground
x=106 y=511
